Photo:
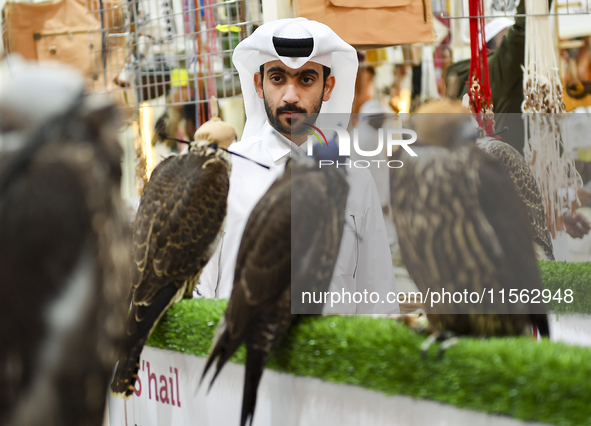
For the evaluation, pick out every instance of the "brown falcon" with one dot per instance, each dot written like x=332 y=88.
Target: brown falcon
x=180 y=109
x=527 y=188
x=462 y=227
x=291 y=239
x=177 y=228
x=63 y=249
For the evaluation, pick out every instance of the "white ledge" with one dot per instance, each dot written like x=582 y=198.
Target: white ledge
x=283 y=400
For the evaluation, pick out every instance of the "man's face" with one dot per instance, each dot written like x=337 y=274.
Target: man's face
x=286 y=91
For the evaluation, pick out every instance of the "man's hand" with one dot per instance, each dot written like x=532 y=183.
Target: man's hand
x=576 y=225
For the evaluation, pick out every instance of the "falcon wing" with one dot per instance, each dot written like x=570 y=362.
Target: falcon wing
x=504 y=210
x=445 y=238
x=525 y=183
x=263 y=267
x=461 y=226
x=292 y=238
x=297 y=224
x=319 y=198
x=181 y=213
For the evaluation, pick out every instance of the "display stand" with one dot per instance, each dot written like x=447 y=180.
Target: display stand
x=283 y=399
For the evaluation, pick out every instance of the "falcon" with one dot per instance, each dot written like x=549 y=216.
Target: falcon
x=177 y=228
x=462 y=226
x=292 y=237
x=63 y=249
x=518 y=170
x=179 y=115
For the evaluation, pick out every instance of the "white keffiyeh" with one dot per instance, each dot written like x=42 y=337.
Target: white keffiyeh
x=327 y=49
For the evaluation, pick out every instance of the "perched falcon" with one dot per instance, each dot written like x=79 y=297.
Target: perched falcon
x=64 y=244
x=527 y=188
x=462 y=226
x=292 y=237
x=180 y=114
x=177 y=228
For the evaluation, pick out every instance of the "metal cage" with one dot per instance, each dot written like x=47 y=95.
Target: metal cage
x=169 y=52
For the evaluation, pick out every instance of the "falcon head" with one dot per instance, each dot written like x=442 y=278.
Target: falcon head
x=211 y=153
x=212 y=140
x=443 y=123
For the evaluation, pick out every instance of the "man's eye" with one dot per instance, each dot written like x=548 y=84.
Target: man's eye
x=275 y=78
x=307 y=80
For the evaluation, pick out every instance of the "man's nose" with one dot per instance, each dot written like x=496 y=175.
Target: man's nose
x=291 y=94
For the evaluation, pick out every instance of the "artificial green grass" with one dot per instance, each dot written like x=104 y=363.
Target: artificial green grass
x=563 y=276
x=519 y=377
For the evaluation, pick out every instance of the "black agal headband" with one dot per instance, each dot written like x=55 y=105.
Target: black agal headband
x=293 y=47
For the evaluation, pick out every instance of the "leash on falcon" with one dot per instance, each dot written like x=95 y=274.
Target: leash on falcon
x=163 y=135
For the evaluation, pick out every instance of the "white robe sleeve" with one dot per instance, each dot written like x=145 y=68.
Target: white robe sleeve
x=209 y=278
x=248 y=184
x=375 y=272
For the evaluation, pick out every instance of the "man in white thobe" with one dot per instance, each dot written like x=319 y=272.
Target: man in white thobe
x=306 y=68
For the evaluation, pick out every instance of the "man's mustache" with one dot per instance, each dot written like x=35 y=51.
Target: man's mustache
x=290 y=108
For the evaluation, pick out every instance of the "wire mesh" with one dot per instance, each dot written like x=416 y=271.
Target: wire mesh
x=162 y=60
x=169 y=52
x=108 y=33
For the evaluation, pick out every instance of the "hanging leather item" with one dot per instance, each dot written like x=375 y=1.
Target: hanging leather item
x=479 y=93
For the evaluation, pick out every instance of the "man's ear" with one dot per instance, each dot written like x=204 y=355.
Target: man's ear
x=328 y=86
x=258 y=84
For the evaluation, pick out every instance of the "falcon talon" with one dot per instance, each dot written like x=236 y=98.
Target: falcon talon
x=448 y=343
x=446 y=338
x=427 y=344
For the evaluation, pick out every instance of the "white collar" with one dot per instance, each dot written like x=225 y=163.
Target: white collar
x=277 y=145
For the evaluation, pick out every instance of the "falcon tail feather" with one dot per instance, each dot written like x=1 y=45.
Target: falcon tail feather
x=541 y=321
x=253 y=371
x=123 y=383
x=223 y=350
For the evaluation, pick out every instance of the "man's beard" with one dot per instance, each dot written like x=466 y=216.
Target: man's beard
x=304 y=117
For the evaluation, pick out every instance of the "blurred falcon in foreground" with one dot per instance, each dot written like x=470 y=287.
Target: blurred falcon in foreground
x=462 y=226
x=64 y=249
x=177 y=228
x=291 y=239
